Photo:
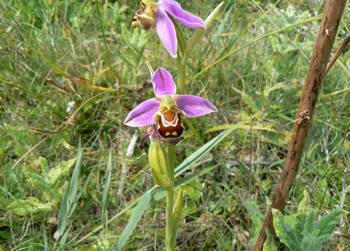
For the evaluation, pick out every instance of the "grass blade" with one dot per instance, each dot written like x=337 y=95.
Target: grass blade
x=69 y=198
x=62 y=216
x=74 y=183
x=197 y=155
x=137 y=213
x=106 y=185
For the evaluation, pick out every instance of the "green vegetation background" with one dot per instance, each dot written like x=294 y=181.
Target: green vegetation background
x=56 y=52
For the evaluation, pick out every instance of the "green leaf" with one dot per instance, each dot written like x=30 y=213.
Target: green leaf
x=328 y=223
x=5 y=235
x=37 y=181
x=304 y=205
x=21 y=140
x=300 y=231
x=106 y=186
x=28 y=207
x=74 y=182
x=309 y=220
x=62 y=216
x=284 y=226
x=179 y=202
x=193 y=190
x=59 y=171
x=269 y=244
x=69 y=199
x=136 y=215
x=198 y=154
x=256 y=220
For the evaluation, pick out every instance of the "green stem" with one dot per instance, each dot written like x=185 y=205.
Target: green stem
x=169 y=220
x=171 y=160
x=181 y=78
x=170 y=226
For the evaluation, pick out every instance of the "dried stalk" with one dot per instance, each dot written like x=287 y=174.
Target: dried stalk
x=316 y=72
x=337 y=53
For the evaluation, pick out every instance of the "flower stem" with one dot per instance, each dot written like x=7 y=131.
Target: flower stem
x=181 y=79
x=170 y=226
x=169 y=220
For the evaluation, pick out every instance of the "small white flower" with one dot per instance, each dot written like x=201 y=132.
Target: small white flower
x=70 y=107
x=262 y=29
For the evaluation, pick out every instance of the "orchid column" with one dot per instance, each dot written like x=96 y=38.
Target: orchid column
x=164 y=115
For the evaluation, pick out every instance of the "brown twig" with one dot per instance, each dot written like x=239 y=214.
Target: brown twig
x=337 y=53
x=312 y=86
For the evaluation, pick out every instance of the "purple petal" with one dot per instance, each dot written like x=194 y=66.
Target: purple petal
x=183 y=17
x=166 y=32
x=142 y=115
x=163 y=83
x=194 y=106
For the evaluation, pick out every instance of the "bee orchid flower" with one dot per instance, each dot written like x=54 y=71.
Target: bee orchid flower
x=161 y=15
x=165 y=112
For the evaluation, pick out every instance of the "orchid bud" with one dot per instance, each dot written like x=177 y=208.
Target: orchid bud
x=158 y=165
x=198 y=34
